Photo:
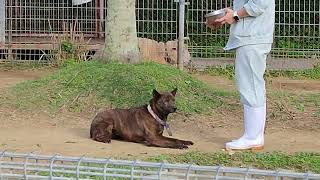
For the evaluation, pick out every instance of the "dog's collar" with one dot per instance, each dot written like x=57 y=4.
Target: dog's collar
x=160 y=121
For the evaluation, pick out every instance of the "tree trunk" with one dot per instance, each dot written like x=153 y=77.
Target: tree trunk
x=121 y=42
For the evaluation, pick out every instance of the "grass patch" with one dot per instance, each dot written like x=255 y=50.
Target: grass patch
x=309 y=100
x=228 y=72
x=301 y=162
x=297 y=74
x=78 y=86
x=286 y=105
x=23 y=66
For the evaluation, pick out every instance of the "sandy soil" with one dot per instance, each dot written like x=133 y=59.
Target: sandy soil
x=68 y=133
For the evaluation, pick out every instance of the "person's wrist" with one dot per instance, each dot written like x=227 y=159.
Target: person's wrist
x=236 y=16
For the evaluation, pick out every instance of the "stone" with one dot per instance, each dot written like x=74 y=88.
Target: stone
x=172 y=53
x=151 y=50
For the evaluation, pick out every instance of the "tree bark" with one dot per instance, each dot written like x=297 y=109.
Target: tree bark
x=121 y=43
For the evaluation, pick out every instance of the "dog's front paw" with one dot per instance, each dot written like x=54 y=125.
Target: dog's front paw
x=182 y=146
x=188 y=143
x=102 y=139
x=105 y=141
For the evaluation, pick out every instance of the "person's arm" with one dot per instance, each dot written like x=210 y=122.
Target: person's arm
x=229 y=17
x=213 y=26
x=256 y=7
x=252 y=8
x=242 y=13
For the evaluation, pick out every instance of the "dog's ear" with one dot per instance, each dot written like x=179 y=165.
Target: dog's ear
x=156 y=94
x=174 y=92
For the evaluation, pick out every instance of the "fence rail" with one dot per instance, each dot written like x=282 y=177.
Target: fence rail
x=34 y=166
x=30 y=26
x=297 y=29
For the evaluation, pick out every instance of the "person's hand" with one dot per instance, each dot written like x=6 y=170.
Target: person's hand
x=213 y=25
x=227 y=19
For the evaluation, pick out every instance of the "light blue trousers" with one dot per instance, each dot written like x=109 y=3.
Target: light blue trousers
x=250 y=66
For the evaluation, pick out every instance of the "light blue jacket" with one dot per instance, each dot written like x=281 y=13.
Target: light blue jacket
x=258 y=28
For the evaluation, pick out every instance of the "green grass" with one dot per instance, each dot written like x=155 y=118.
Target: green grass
x=23 y=66
x=78 y=86
x=286 y=104
x=228 y=72
x=309 y=100
x=297 y=74
x=301 y=162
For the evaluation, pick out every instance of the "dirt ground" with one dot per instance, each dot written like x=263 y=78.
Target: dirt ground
x=68 y=133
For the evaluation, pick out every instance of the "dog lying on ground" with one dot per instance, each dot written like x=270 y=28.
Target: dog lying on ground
x=143 y=124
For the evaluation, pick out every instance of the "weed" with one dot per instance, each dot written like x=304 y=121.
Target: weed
x=228 y=72
x=68 y=46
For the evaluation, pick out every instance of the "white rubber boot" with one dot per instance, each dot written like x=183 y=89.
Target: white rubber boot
x=253 y=137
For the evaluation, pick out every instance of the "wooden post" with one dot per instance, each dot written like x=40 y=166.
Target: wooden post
x=2 y=23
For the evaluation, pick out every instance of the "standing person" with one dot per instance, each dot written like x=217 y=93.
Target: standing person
x=251 y=35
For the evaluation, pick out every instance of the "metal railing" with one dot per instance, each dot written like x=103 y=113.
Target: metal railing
x=33 y=27
x=33 y=166
x=297 y=29
x=30 y=25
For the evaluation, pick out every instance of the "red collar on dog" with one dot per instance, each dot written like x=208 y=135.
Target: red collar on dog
x=160 y=121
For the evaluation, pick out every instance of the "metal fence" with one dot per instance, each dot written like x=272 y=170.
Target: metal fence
x=33 y=166
x=31 y=27
x=297 y=29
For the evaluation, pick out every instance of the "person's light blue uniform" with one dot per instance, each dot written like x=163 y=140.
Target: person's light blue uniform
x=252 y=38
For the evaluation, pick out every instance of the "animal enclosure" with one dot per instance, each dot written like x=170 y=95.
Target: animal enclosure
x=33 y=27
x=29 y=29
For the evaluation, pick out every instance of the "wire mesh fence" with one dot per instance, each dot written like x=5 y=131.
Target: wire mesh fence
x=34 y=30
x=31 y=28
x=297 y=29
x=33 y=166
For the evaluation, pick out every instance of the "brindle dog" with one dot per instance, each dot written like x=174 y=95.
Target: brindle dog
x=143 y=124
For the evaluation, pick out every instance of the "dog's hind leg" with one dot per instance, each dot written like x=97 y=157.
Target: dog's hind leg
x=101 y=132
